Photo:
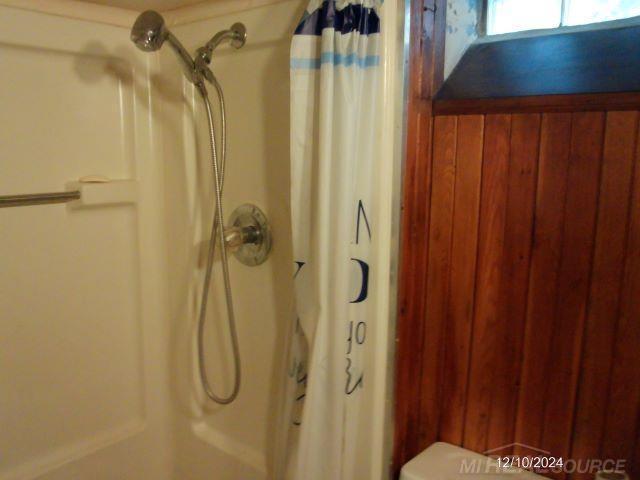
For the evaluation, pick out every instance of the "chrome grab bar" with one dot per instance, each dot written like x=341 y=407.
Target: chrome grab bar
x=38 y=198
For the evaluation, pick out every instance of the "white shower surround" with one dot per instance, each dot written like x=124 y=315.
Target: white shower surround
x=157 y=427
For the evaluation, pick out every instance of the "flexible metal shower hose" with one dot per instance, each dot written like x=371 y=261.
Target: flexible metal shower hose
x=217 y=230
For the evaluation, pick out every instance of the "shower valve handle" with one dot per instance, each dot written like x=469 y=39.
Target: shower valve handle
x=248 y=235
x=236 y=237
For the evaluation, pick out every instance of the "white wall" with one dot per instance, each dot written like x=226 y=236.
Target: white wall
x=462 y=24
x=82 y=329
x=233 y=440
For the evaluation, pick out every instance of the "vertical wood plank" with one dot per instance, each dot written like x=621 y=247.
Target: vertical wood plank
x=425 y=55
x=520 y=206
x=608 y=264
x=460 y=304
x=634 y=469
x=411 y=301
x=573 y=281
x=545 y=258
x=438 y=268
x=488 y=311
x=623 y=412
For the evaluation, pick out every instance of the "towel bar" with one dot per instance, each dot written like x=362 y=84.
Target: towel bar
x=38 y=198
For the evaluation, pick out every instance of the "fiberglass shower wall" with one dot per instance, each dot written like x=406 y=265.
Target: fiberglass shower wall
x=233 y=440
x=238 y=441
x=83 y=383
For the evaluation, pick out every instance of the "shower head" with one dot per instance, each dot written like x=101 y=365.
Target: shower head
x=149 y=32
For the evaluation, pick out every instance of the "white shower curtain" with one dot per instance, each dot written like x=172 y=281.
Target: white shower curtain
x=335 y=73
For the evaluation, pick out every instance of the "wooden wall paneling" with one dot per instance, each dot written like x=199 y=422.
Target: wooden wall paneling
x=545 y=259
x=530 y=326
x=438 y=267
x=573 y=281
x=411 y=301
x=428 y=56
x=622 y=424
x=634 y=469
x=415 y=225
x=518 y=229
x=544 y=103
x=489 y=314
x=519 y=301
x=426 y=51
x=608 y=265
x=460 y=304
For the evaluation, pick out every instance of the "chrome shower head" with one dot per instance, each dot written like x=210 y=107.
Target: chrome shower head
x=149 y=32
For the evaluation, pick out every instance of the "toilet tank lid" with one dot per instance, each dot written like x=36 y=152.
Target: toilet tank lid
x=442 y=461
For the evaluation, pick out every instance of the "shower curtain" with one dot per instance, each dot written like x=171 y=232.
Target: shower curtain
x=335 y=68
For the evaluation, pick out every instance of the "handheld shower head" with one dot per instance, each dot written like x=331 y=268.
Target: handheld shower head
x=149 y=32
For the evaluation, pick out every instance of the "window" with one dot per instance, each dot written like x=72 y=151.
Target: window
x=505 y=16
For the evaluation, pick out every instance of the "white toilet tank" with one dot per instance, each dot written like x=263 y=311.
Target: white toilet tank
x=442 y=461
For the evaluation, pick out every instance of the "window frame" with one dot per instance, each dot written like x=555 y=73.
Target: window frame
x=483 y=18
x=489 y=77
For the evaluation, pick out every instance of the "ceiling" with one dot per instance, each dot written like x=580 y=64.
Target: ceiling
x=145 y=4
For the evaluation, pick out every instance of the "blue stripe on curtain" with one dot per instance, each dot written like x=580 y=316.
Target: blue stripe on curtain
x=353 y=17
x=335 y=59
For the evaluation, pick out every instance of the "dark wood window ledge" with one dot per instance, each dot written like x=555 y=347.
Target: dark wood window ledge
x=587 y=70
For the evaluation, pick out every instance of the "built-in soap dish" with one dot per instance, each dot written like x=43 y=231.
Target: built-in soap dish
x=98 y=190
